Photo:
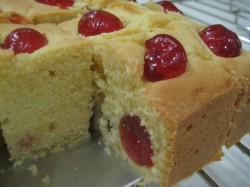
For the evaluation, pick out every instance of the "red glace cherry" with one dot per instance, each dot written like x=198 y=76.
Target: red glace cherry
x=169 y=7
x=24 y=40
x=27 y=141
x=164 y=58
x=60 y=3
x=221 y=41
x=17 y=18
x=98 y=21
x=135 y=140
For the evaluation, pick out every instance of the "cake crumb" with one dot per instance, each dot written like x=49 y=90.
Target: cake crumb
x=46 y=180
x=33 y=169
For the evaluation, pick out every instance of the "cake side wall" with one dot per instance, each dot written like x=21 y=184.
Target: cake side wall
x=198 y=118
x=239 y=69
x=199 y=138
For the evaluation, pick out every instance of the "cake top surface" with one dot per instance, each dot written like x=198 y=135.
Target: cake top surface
x=55 y=36
x=31 y=11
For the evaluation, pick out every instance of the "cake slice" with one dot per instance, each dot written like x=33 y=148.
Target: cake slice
x=170 y=128
x=45 y=95
x=39 y=11
x=166 y=128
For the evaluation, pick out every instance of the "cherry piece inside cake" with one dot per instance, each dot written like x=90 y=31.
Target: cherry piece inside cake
x=17 y=18
x=135 y=140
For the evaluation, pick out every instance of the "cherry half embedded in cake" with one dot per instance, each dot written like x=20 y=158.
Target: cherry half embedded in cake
x=27 y=141
x=63 y=4
x=17 y=18
x=165 y=58
x=169 y=7
x=24 y=40
x=135 y=140
x=98 y=21
x=221 y=41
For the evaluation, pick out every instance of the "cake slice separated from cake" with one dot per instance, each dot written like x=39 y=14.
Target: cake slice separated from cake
x=45 y=95
x=166 y=129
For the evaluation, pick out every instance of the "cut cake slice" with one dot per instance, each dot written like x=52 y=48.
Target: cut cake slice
x=45 y=96
x=187 y=118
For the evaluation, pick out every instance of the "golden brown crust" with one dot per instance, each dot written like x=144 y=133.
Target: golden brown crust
x=202 y=81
